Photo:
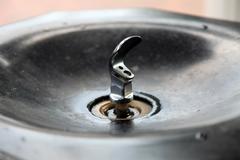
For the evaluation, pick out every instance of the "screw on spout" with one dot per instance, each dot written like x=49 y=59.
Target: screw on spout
x=121 y=76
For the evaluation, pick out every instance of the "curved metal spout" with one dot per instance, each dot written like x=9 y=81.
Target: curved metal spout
x=121 y=76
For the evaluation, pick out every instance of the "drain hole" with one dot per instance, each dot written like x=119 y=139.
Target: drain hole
x=142 y=105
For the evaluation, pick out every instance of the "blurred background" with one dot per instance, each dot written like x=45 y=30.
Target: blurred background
x=14 y=10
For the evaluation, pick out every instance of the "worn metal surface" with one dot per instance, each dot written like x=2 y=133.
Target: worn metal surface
x=48 y=69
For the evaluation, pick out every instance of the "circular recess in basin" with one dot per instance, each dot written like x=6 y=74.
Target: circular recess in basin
x=142 y=106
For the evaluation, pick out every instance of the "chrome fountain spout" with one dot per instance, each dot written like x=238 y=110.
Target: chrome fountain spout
x=122 y=76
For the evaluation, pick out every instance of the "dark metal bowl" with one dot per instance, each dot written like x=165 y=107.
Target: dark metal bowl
x=52 y=66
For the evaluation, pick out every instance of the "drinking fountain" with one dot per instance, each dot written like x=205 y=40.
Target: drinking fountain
x=120 y=84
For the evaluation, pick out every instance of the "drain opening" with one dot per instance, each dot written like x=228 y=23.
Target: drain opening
x=142 y=105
